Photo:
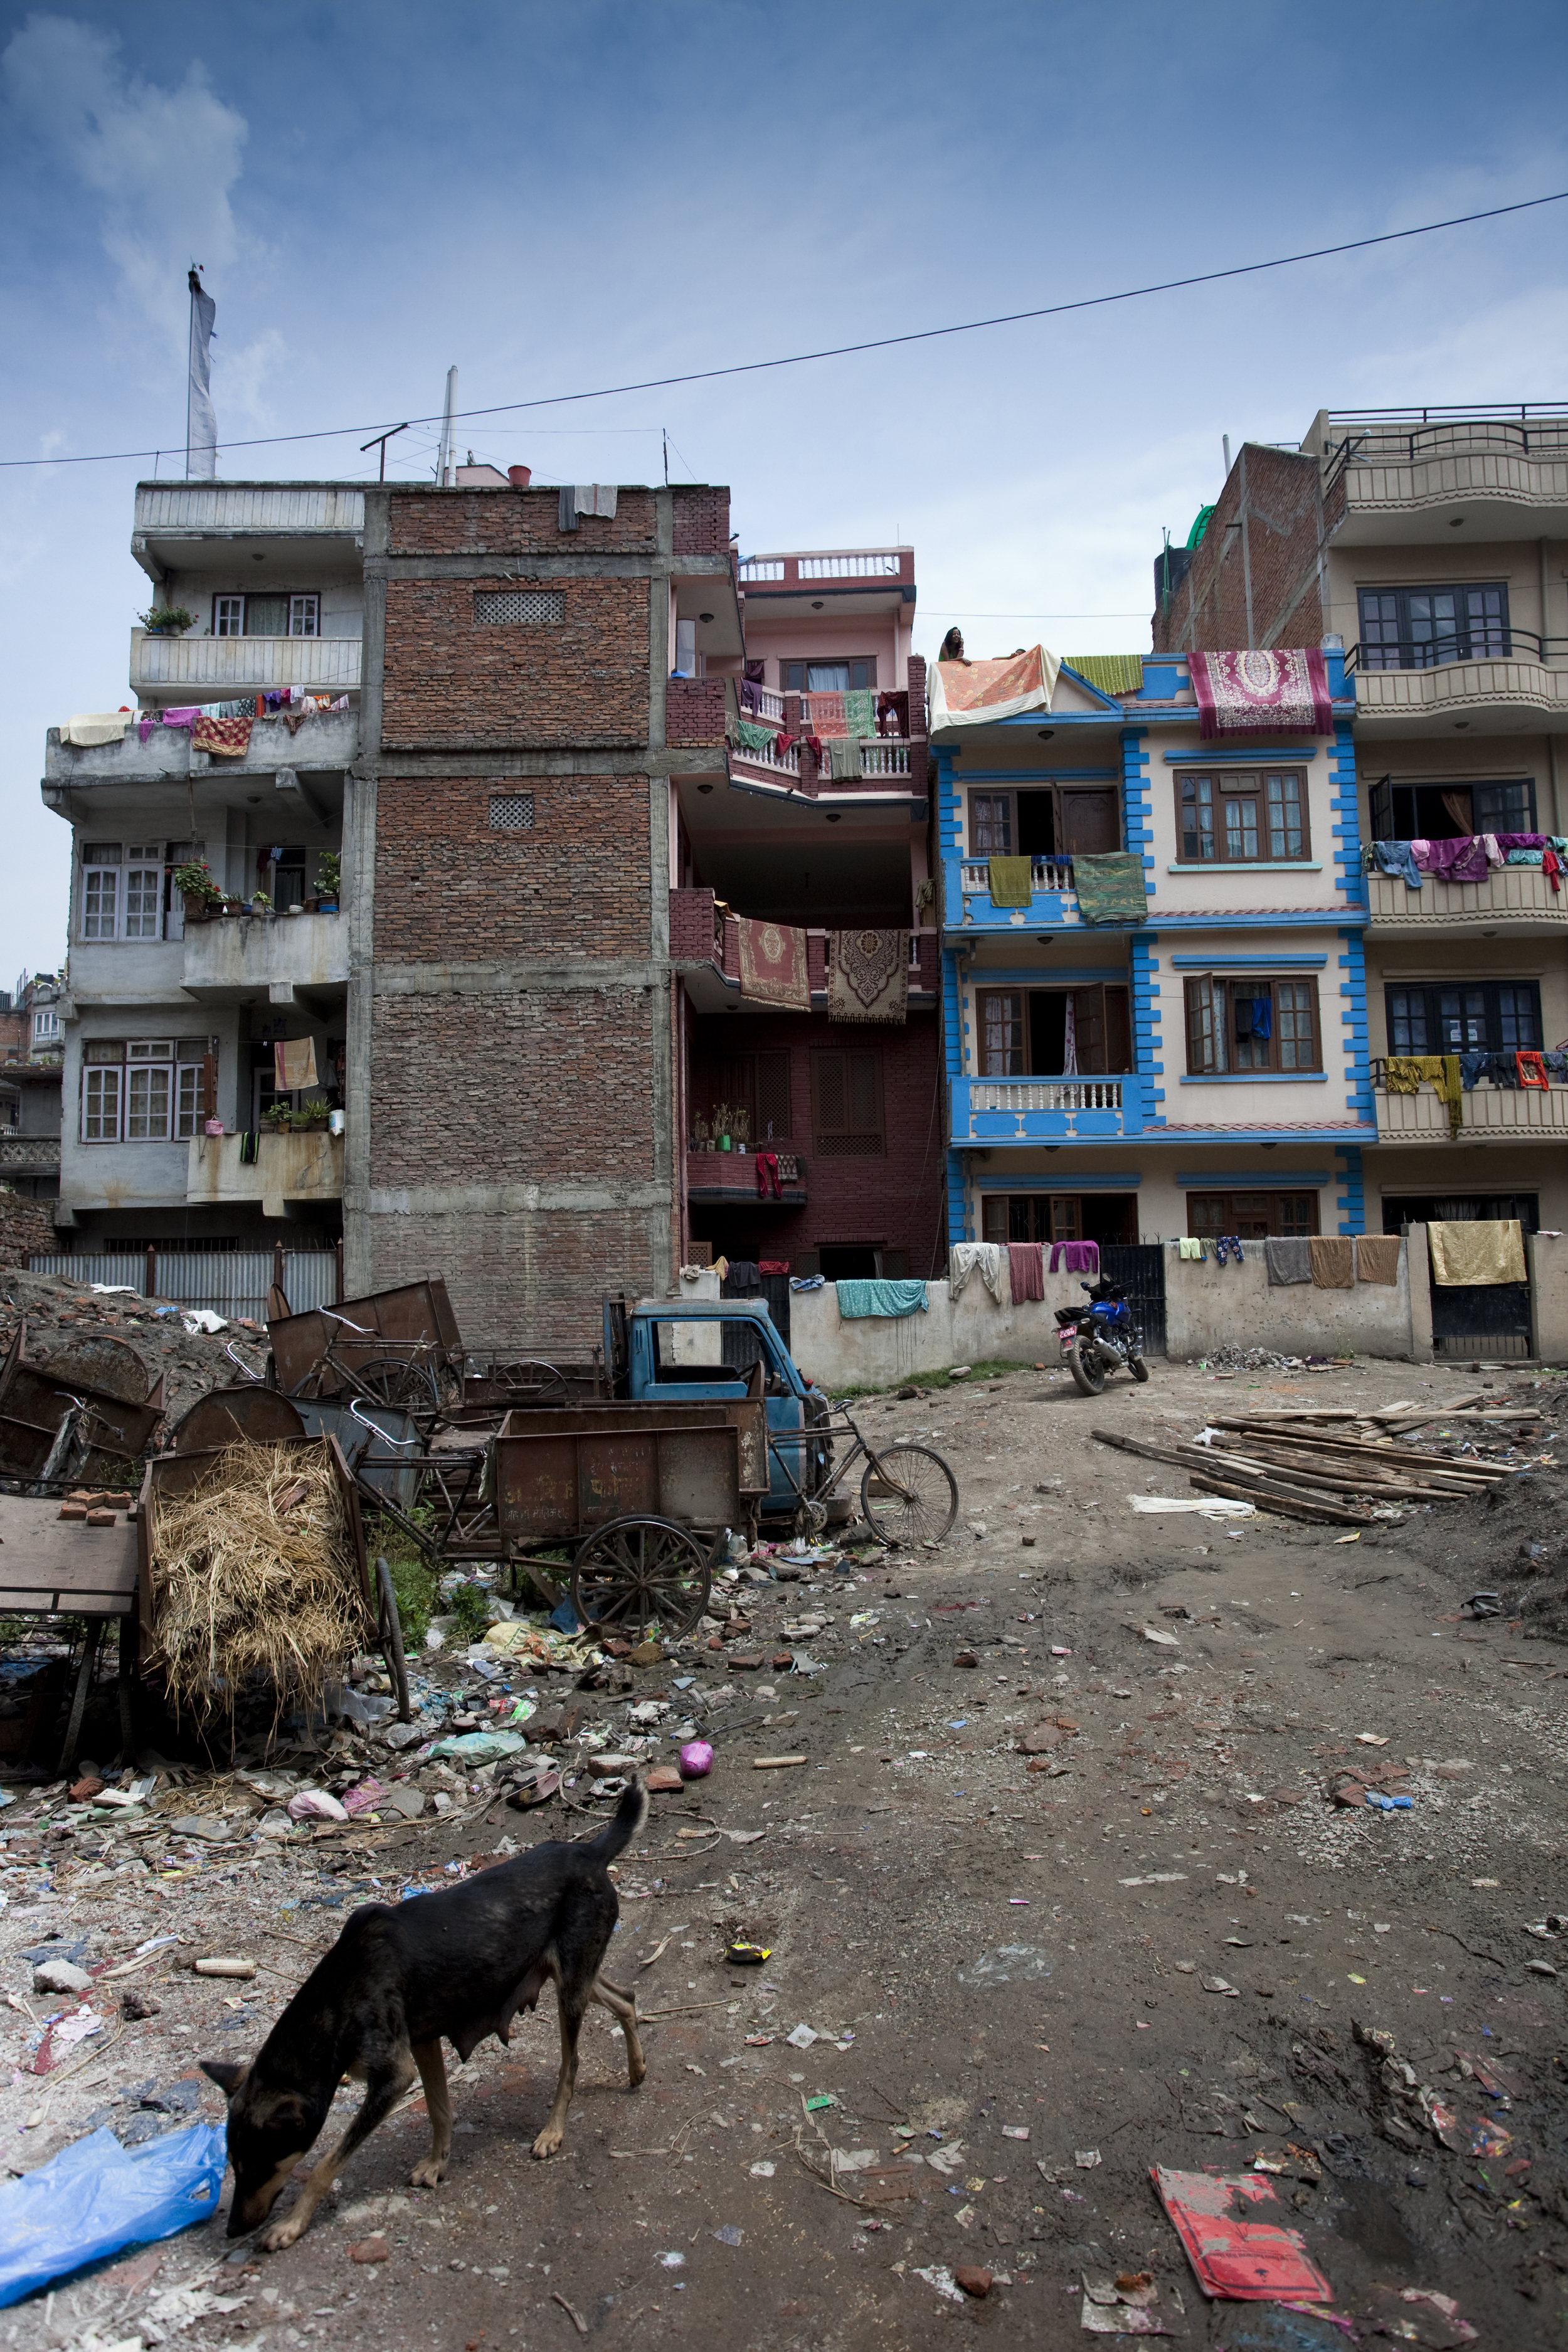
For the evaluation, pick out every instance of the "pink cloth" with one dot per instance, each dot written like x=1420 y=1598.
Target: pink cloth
x=1463 y=860
x=187 y=716
x=1025 y=1268
x=1283 y=692
x=1076 y=1257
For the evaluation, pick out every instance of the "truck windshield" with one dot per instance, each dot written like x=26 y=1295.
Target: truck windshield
x=695 y=1349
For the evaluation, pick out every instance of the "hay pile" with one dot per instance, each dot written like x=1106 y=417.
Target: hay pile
x=254 y=1577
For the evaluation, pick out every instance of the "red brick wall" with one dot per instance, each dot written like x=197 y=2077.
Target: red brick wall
x=454 y=683
x=526 y=1281
x=917 y=670
x=514 y=522
x=1208 y=611
x=694 y=713
x=701 y=523
x=26 y=1227
x=691 y=926
x=894 y=1202
x=450 y=888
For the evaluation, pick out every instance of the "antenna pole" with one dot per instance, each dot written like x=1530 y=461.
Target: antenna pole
x=379 y=441
x=445 y=466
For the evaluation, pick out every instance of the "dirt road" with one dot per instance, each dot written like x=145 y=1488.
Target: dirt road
x=1026 y=1978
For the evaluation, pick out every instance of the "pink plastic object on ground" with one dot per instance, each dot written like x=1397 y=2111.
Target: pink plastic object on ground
x=1233 y=2257
x=696 y=1759
x=315 y=1805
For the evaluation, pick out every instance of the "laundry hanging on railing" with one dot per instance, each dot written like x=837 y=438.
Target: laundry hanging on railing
x=869 y=979
x=773 y=968
x=988 y=1259
x=1280 y=692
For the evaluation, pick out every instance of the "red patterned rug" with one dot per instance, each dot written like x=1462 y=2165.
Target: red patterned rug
x=1262 y=693
x=229 y=738
x=871 y=976
x=773 y=965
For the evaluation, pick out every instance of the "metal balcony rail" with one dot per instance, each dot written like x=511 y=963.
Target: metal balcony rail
x=1487 y=641
x=1392 y=439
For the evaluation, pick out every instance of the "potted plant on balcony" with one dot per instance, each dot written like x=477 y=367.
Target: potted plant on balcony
x=200 y=892
x=329 y=881
x=260 y=904
x=166 y=620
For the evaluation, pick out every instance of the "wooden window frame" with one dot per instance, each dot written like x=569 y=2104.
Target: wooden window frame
x=1390 y=805
x=827 y=1141
x=1230 y=787
x=1061 y=794
x=1197 y=1024
x=983 y=998
x=1104 y=990
x=1271 y=1194
x=848 y=661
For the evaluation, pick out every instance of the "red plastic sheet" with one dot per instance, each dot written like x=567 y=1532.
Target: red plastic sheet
x=1235 y=2256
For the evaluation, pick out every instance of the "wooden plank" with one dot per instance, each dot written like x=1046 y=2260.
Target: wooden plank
x=1273 y=1499
x=48 y=1563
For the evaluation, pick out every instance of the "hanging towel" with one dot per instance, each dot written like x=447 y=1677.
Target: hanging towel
x=1288 y=1260
x=1333 y=1262
x=1393 y=857
x=860 y=711
x=742 y=1279
x=1263 y=1017
x=1496 y=854
x=249 y=1147
x=859 y=1300
x=566 y=511
x=844 y=761
x=595 y=499
x=807 y=1281
x=988 y=1259
x=1190 y=1247
x=1485 y=1252
x=1010 y=881
x=1458 y=861
x=294 y=1063
x=1553 y=863
x=1082 y=1257
x=1025 y=1268
x=755 y=737
x=1531 y=1071
x=1406 y=1074
x=1378 y=1257
x=768 y=1175
x=775 y=1267
x=1110 y=888
x=92 y=727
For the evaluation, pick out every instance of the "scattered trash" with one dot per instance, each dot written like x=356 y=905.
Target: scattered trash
x=220 y=1966
x=936 y=2276
x=801 y=2038
x=315 y=1805
x=729 y=2235
x=1125 y=2306
x=696 y=1759
x=1008 y=1964
x=96 y=2197
x=1234 y=2255
x=749 y=1955
x=1205 y=1506
x=1086 y=2158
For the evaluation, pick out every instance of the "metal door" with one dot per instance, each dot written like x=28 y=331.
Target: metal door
x=1480 y=1318
x=1139 y=1269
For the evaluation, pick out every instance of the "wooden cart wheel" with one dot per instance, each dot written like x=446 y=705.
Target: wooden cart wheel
x=633 y=1570
x=392 y=1381
x=391 y=1632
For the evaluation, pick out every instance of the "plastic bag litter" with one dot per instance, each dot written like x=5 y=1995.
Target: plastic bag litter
x=1210 y=1506
x=315 y=1805
x=96 y=2198
x=202 y=1318
x=480 y=1746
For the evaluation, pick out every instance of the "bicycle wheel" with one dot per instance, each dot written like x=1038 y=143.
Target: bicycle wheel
x=389 y=1381
x=390 y=1629
x=633 y=1570
x=909 y=1494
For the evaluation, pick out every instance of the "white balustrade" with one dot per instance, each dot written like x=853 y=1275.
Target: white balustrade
x=1045 y=1093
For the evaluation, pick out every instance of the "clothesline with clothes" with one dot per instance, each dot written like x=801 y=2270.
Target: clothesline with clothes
x=1019 y=1266
x=1454 y=1076
x=1470 y=857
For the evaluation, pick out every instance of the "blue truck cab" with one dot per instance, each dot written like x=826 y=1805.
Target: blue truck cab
x=700 y=1350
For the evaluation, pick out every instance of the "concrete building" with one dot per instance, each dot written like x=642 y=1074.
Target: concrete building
x=1433 y=546
x=1195 y=1066
x=30 y=1034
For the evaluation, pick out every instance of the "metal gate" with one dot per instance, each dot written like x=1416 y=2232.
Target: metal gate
x=1480 y=1318
x=1138 y=1267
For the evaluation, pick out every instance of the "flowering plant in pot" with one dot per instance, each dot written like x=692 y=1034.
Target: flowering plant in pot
x=197 y=886
x=166 y=620
x=328 y=880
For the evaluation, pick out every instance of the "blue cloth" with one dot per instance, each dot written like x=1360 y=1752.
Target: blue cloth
x=806 y=1281
x=860 y=1299
x=1263 y=1017
x=1523 y=858
x=1394 y=858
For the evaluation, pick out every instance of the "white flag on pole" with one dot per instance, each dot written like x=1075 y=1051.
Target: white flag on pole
x=201 y=423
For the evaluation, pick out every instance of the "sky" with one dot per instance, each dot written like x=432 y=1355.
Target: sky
x=559 y=199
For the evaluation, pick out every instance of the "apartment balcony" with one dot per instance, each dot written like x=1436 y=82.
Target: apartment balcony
x=729 y=1178
x=267 y=959
x=887 y=765
x=1511 y=898
x=1509 y=472
x=705 y=942
x=1046 y=1109
x=1492 y=1114
x=1518 y=680
x=968 y=897
x=289 y=1169
x=250 y=509
x=329 y=741
x=34 y=1154
x=165 y=669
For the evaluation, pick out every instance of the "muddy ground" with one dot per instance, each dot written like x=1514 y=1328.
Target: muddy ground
x=1005 y=1970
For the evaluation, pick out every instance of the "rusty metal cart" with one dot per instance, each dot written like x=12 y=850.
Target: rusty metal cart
x=397 y=1347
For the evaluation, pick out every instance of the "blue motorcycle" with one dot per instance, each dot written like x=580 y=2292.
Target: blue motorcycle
x=1100 y=1338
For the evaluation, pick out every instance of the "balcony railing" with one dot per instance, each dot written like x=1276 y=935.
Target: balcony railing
x=1493 y=641
x=249 y=506
x=1045 y=874
x=701 y=933
x=29 y=1151
x=292 y=1167
x=239 y=957
x=774 y=763
x=1424 y=435
x=875 y=566
x=1045 y=1093
x=1511 y=895
x=221 y=666
x=881 y=759
x=1492 y=1114
x=1044 y=1110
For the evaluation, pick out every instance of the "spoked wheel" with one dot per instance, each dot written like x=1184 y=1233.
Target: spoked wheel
x=535 y=1383
x=633 y=1570
x=1088 y=1375
x=390 y=1381
x=909 y=1494
x=390 y=1630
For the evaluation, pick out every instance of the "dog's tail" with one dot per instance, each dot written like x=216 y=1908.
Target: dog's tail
x=625 y=1824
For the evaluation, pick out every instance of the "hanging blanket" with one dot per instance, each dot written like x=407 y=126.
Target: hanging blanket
x=773 y=965
x=1110 y=888
x=755 y=737
x=229 y=738
x=828 y=714
x=861 y=1298
x=988 y=1259
x=1289 y=1260
x=1025 y=1270
x=871 y=976
x=1333 y=1262
x=91 y=727
x=860 y=711
x=843 y=758
x=1463 y=860
x=1378 y=1257
x=1262 y=693
x=974 y=693
x=1011 y=881
x=1483 y=1253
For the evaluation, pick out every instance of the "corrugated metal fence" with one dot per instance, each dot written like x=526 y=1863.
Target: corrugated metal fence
x=229 y=1282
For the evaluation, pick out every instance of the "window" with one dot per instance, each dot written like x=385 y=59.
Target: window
x=847 y=1103
x=758 y=1084
x=1471 y=1017
x=304 y=616
x=1054 y=1032
x=285 y=615
x=511 y=811
x=1450 y=812
x=991 y=823
x=1239 y=1026
x=122 y=890
x=1235 y=817
x=1421 y=629
x=228 y=617
x=508 y=607
x=147 y=1089
x=45 y=1025
x=1052 y=821
x=1253 y=1216
x=850 y=676
x=1108 y=1218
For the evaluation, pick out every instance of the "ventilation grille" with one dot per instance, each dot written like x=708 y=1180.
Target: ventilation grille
x=511 y=812
x=500 y=606
x=868 y=1146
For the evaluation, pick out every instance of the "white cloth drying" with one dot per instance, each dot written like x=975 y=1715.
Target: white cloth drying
x=989 y=1259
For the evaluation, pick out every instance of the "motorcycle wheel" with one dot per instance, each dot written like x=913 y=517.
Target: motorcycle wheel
x=1137 y=1367
x=1090 y=1377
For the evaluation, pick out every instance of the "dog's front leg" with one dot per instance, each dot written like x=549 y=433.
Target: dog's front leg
x=570 y=2018
x=621 y=2006
x=432 y=2068
x=382 y=2091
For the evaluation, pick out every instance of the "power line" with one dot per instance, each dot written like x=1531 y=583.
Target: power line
x=850 y=351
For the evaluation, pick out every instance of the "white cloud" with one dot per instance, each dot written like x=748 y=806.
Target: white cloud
x=162 y=162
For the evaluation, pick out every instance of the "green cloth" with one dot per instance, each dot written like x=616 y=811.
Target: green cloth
x=754 y=737
x=1111 y=887
x=1112 y=673
x=1012 y=881
x=860 y=712
x=859 y=1299
x=844 y=763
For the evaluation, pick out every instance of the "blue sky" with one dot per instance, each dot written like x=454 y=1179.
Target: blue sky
x=556 y=198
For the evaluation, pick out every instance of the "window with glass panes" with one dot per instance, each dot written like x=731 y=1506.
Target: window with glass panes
x=147 y=1089
x=991 y=824
x=1421 y=629
x=1252 y=1216
x=1239 y=816
x=122 y=890
x=1252 y=1024
x=1492 y=1016
x=856 y=675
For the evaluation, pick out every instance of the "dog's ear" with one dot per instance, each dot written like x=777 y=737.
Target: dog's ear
x=226 y=2073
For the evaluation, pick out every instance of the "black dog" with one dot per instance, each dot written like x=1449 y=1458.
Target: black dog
x=458 y=1964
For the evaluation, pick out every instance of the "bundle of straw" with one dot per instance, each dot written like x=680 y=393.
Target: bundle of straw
x=254 y=1575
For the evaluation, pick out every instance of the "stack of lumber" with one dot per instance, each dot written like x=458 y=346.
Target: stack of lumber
x=1330 y=1467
